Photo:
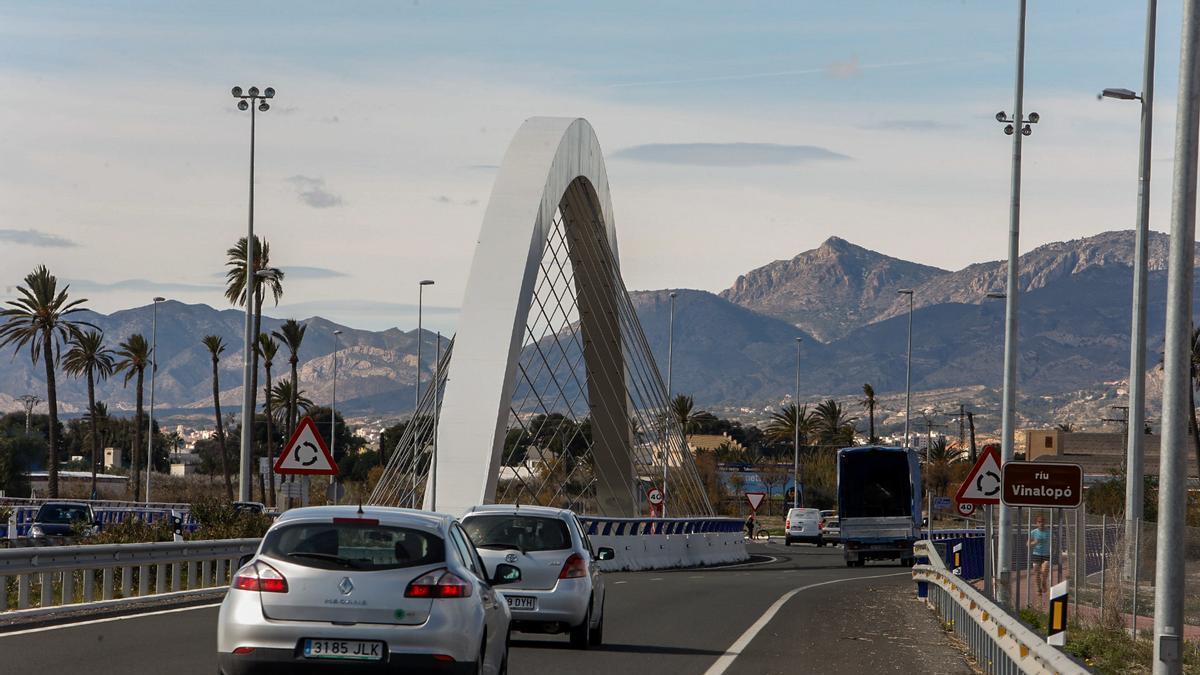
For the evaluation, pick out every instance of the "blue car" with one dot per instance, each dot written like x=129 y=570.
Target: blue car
x=58 y=519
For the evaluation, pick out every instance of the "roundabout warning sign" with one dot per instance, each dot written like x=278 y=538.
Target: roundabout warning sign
x=982 y=485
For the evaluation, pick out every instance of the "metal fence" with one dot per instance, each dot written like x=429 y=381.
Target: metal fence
x=999 y=642
x=73 y=575
x=107 y=512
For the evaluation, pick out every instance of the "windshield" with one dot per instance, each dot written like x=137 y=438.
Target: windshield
x=875 y=485
x=63 y=513
x=358 y=546
x=523 y=533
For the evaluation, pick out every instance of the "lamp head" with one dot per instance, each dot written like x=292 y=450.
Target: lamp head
x=427 y=282
x=242 y=105
x=263 y=107
x=1001 y=117
x=1034 y=117
x=160 y=299
x=1119 y=93
x=237 y=92
x=252 y=91
x=269 y=92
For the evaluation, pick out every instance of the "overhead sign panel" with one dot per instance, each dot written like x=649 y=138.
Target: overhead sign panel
x=982 y=484
x=306 y=453
x=1044 y=484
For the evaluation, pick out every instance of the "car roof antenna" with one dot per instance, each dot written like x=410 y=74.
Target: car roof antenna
x=360 y=511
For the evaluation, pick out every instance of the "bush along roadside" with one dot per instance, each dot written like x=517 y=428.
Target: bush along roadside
x=1111 y=650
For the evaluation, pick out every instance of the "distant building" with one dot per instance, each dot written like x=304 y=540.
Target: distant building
x=108 y=486
x=1099 y=453
x=114 y=458
x=697 y=442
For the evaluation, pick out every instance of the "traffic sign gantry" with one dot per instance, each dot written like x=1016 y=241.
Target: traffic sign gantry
x=982 y=484
x=306 y=453
x=755 y=500
x=1045 y=484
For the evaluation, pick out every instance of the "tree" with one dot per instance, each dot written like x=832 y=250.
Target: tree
x=834 y=426
x=771 y=474
x=38 y=319
x=235 y=292
x=868 y=402
x=940 y=466
x=267 y=349
x=282 y=397
x=216 y=346
x=781 y=428
x=134 y=353
x=682 y=409
x=89 y=357
x=291 y=334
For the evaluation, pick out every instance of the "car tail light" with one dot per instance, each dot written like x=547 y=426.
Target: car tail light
x=573 y=568
x=438 y=584
x=787 y=524
x=244 y=650
x=259 y=576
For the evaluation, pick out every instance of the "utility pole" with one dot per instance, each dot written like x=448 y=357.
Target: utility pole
x=30 y=402
x=1169 y=587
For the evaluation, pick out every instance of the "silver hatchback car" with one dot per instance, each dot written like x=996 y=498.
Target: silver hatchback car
x=367 y=590
x=561 y=588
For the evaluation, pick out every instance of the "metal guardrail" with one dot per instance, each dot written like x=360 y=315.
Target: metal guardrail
x=64 y=576
x=999 y=642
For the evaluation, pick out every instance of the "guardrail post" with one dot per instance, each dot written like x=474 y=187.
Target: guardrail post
x=205 y=573
x=89 y=584
x=106 y=581
x=175 y=577
x=126 y=581
x=143 y=580
x=191 y=576
x=47 y=579
x=160 y=578
x=23 y=591
x=219 y=577
x=68 y=587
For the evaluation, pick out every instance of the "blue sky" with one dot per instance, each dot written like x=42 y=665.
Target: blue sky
x=736 y=133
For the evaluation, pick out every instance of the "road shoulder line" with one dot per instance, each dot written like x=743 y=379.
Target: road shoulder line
x=734 y=650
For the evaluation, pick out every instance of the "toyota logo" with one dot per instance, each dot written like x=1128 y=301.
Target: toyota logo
x=510 y=558
x=346 y=586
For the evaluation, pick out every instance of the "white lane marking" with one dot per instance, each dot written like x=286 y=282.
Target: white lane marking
x=620 y=582
x=106 y=620
x=722 y=664
x=656 y=579
x=770 y=559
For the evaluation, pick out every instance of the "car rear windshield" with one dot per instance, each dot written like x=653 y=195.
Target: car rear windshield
x=875 y=484
x=62 y=513
x=358 y=546
x=524 y=533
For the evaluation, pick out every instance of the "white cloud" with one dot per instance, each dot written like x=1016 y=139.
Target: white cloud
x=35 y=238
x=312 y=192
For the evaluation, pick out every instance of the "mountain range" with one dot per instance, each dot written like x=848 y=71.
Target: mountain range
x=736 y=351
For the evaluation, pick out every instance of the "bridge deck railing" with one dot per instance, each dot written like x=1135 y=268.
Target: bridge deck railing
x=58 y=577
x=999 y=642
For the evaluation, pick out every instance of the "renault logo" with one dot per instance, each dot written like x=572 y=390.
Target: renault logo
x=346 y=586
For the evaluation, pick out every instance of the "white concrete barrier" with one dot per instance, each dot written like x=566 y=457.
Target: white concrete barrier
x=657 y=543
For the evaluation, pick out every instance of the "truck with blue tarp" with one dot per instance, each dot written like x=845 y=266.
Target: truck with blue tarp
x=879 y=503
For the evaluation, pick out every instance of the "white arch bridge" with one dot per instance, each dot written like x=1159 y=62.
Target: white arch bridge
x=553 y=396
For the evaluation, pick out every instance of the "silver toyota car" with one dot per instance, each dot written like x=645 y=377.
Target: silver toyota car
x=366 y=590
x=561 y=588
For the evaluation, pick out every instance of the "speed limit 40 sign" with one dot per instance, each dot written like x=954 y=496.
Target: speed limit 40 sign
x=655 y=496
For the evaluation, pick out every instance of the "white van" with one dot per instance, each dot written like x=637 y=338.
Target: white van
x=803 y=525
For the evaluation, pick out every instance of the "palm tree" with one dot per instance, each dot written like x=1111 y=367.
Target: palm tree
x=868 y=402
x=291 y=334
x=235 y=292
x=39 y=319
x=216 y=346
x=282 y=395
x=782 y=426
x=135 y=358
x=88 y=356
x=268 y=348
x=940 y=464
x=834 y=426
x=682 y=409
x=101 y=422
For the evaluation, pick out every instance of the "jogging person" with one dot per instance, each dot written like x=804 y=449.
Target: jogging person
x=1039 y=543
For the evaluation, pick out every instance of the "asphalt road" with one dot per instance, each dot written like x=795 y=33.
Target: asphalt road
x=805 y=612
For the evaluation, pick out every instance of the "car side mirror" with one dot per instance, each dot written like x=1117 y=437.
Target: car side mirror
x=605 y=553
x=506 y=574
x=243 y=560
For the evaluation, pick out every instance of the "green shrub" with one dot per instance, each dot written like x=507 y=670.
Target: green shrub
x=219 y=520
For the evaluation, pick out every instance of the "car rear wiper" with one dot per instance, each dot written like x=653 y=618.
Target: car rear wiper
x=326 y=556
x=504 y=545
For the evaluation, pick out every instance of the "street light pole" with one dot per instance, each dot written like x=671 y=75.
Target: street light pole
x=1018 y=127
x=908 y=368
x=247 y=102
x=796 y=434
x=29 y=401
x=333 y=413
x=670 y=364
x=1135 y=458
x=1170 y=585
x=153 y=373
